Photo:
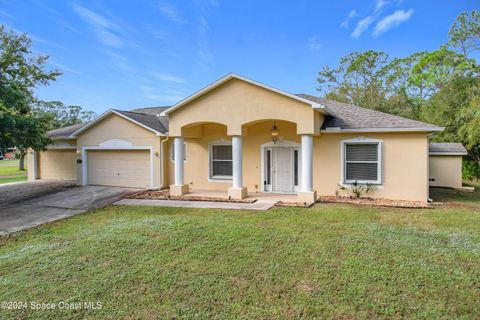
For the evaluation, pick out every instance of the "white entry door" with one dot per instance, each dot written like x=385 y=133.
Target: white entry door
x=282 y=170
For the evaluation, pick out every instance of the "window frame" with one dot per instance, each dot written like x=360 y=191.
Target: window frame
x=365 y=141
x=218 y=178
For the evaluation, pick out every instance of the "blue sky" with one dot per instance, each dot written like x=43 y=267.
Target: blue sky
x=127 y=54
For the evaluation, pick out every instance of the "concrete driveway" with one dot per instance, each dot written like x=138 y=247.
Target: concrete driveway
x=24 y=205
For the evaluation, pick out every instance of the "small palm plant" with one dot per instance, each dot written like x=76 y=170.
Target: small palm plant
x=357 y=190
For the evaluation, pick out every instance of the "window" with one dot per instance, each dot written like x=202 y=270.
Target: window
x=295 y=167
x=221 y=160
x=269 y=166
x=362 y=162
x=172 y=151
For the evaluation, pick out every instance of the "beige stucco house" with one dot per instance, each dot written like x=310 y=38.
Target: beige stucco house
x=237 y=136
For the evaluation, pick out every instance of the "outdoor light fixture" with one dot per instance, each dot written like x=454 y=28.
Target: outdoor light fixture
x=275 y=132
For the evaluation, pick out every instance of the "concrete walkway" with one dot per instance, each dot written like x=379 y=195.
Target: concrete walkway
x=260 y=205
x=58 y=201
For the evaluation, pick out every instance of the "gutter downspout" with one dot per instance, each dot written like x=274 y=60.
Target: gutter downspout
x=162 y=155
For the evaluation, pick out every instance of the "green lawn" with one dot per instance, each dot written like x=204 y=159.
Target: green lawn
x=13 y=179
x=330 y=261
x=9 y=172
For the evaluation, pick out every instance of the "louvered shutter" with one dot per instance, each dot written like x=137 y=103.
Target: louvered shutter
x=361 y=162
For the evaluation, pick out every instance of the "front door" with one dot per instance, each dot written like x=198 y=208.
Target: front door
x=281 y=169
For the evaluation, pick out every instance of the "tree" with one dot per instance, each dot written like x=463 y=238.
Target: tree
x=464 y=35
x=359 y=79
x=20 y=73
x=30 y=131
x=64 y=115
x=441 y=87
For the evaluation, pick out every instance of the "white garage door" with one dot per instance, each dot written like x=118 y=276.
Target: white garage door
x=122 y=168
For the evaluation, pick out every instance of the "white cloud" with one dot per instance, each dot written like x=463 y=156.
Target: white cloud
x=352 y=14
x=362 y=26
x=392 y=20
x=65 y=68
x=379 y=4
x=119 y=61
x=204 y=53
x=314 y=43
x=168 y=77
x=171 y=13
x=106 y=30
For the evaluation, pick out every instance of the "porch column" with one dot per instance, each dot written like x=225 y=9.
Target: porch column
x=179 y=188
x=306 y=193
x=237 y=191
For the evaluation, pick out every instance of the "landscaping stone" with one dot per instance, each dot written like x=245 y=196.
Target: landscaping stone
x=375 y=202
x=165 y=195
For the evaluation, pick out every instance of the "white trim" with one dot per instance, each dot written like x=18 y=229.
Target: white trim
x=35 y=165
x=337 y=130
x=107 y=113
x=171 y=152
x=362 y=140
x=115 y=143
x=53 y=147
x=222 y=142
x=320 y=107
x=179 y=172
x=63 y=138
x=447 y=153
x=85 y=167
x=280 y=144
x=162 y=165
x=237 y=162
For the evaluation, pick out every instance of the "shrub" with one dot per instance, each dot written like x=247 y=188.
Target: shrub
x=471 y=170
x=356 y=190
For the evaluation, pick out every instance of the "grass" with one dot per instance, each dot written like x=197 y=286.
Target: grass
x=13 y=179
x=10 y=167
x=329 y=261
x=9 y=172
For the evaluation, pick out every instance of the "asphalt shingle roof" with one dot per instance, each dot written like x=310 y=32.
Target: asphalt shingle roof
x=156 y=111
x=346 y=116
x=349 y=116
x=149 y=120
x=65 y=131
x=446 y=148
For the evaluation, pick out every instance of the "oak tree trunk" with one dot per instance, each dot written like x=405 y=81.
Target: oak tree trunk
x=21 y=163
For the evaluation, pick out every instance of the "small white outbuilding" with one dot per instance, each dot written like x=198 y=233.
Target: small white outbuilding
x=445 y=164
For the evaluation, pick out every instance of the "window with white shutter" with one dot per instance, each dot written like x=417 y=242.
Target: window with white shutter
x=362 y=162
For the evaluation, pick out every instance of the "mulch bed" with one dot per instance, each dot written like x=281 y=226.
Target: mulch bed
x=293 y=204
x=375 y=202
x=165 y=195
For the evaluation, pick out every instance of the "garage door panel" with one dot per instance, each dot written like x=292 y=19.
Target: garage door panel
x=124 y=168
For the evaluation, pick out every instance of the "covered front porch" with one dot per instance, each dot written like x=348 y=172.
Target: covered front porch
x=242 y=136
x=269 y=159
x=251 y=196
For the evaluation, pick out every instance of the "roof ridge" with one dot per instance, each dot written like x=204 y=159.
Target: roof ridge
x=146 y=114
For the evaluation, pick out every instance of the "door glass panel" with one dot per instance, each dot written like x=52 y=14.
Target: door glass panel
x=295 y=167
